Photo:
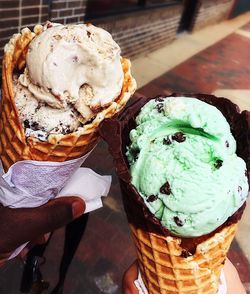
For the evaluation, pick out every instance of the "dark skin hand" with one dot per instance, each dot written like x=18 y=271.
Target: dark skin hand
x=234 y=284
x=20 y=225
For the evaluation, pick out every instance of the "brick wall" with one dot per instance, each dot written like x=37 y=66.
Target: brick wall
x=69 y=11
x=17 y=14
x=137 y=33
x=211 y=12
x=143 y=31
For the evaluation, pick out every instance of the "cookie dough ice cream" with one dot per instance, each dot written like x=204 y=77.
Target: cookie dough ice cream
x=183 y=164
x=71 y=73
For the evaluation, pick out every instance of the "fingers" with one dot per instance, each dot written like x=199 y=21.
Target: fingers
x=21 y=225
x=234 y=284
x=129 y=277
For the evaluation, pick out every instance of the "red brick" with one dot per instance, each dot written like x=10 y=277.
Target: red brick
x=71 y=19
x=78 y=11
x=45 y=9
x=9 y=4
x=30 y=2
x=75 y=4
x=44 y=18
x=9 y=13
x=67 y=12
x=30 y=11
x=8 y=33
x=8 y=23
x=3 y=42
x=54 y=14
x=29 y=21
x=58 y=5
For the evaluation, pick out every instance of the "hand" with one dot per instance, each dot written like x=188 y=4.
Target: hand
x=20 y=225
x=129 y=277
x=234 y=284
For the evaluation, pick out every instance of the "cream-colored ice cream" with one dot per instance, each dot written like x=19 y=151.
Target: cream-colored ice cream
x=63 y=59
x=71 y=72
x=39 y=119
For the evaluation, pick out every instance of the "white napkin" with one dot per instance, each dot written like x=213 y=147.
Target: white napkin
x=32 y=183
x=142 y=289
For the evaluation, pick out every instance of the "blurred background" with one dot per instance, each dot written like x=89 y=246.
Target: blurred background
x=139 y=26
x=186 y=46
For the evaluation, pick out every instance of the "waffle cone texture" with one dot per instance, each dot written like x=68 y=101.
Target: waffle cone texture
x=14 y=146
x=165 y=271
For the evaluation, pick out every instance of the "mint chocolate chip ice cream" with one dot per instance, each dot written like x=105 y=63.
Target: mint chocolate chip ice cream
x=183 y=164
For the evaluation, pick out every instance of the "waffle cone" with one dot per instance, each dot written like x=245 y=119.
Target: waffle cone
x=14 y=146
x=165 y=271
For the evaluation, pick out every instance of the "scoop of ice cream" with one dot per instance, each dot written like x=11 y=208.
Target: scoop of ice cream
x=183 y=164
x=74 y=64
x=39 y=119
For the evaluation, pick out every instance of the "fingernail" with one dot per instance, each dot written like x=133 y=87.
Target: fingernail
x=77 y=209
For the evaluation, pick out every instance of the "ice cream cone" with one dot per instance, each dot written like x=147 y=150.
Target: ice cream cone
x=164 y=269
x=14 y=146
x=170 y=263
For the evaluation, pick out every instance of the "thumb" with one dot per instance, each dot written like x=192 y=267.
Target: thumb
x=21 y=225
x=129 y=277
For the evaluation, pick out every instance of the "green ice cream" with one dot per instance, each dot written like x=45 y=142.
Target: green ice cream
x=183 y=164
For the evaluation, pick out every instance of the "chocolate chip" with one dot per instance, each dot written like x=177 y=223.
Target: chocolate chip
x=165 y=189
x=57 y=37
x=160 y=107
x=49 y=25
x=65 y=129
x=179 y=137
x=218 y=163
x=246 y=173
x=167 y=141
x=26 y=124
x=185 y=253
x=239 y=189
x=159 y=99
x=88 y=34
x=38 y=107
x=75 y=58
x=55 y=64
x=35 y=126
x=227 y=144
x=178 y=221
x=135 y=153
x=151 y=198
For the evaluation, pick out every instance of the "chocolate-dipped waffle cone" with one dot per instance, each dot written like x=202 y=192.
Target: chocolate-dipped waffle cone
x=168 y=263
x=14 y=146
x=166 y=268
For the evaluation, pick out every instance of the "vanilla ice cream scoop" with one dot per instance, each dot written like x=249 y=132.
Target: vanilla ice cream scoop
x=74 y=64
